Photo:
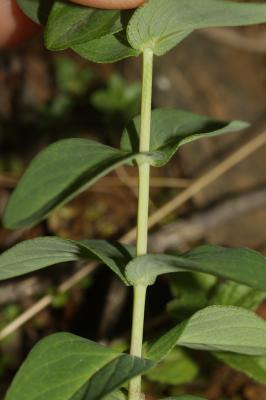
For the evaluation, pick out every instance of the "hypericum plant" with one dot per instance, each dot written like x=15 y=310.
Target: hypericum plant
x=67 y=367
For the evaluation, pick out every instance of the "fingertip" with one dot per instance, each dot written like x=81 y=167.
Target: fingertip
x=110 y=4
x=15 y=27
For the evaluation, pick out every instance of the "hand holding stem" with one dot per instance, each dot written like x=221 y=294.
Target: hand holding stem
x=15 y=27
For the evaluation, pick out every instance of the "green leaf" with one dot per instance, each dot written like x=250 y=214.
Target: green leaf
x=119 y=97
x=215 y=328
x=240 y=265
x=234 y=294
x=177 y=368
x=107 y=49
x=161 y=25
x=35 y=254
x=69 y=24
x=110 y=378
x=61 y=364
x=70 y=78
x=254 y=367
x=117 y=395
x=230 y=293
x=171 y=129
x=56 y=175
x=190 y=291
x=36 y=10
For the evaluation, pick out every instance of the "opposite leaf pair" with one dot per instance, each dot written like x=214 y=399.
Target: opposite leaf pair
x=214 y=328
x=108 y=36
x=65 y=366
x=240 y=265
x=70 y=166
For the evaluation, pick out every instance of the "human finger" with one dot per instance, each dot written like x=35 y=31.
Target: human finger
x=111 y=4
x=15 y=27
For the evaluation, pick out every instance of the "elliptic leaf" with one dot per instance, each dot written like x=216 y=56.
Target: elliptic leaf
x=215 y=328
x=177 y=368
x=234 y=294
x=161 y=25
x=191 y=292
x=56 y=175
x=35 y=254
x=111 y=377
x=240 y=265
x=171 y=129
x=254 y=367
x=117 y=395
x=69 y=24
x=107 y=49
x=230 y=293
x=61 y=364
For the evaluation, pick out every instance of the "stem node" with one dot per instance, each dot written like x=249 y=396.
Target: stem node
x=143 y=214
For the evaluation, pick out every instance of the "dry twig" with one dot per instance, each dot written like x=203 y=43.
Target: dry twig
x=178 y=234
x=236 y=39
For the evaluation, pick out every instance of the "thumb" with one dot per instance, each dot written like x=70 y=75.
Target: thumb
x=111 y=4
x=15 y=27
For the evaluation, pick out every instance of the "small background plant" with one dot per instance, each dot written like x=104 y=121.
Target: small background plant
x=221 y=319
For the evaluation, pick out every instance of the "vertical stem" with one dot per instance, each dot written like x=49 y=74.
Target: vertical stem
x=143 y=214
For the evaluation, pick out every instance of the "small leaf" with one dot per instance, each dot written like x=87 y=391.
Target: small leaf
x=62 y=364
x=119 y=97
x=56 y=175
x=240 y=295
x=215 y=328
x=107 y=49
x=177 y=368
x=240 y=265
x=161 y=25
x=191 y=292
x=117 y=395
x=233 y=294
x=171 y=129
x=35 y=254
x=144 y=270
x=36 y=10
x=69 y=24
x=111 y=377
x=254 y=367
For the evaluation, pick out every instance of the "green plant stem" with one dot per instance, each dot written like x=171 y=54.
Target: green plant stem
x=143 y=214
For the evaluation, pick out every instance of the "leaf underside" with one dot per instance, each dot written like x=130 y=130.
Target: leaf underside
x=171 y=129
x=35 y=254
x=158 y=25
x=107 y=49
x=253 y=367
x=69 y=166
x=161 y=25
x=237 y=264
x=69 y=24
x=56 y=175
x=215 y=328
x=191 y=292
x=62 y=365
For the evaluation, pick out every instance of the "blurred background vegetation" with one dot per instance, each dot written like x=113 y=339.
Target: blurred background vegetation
x=46 y=97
